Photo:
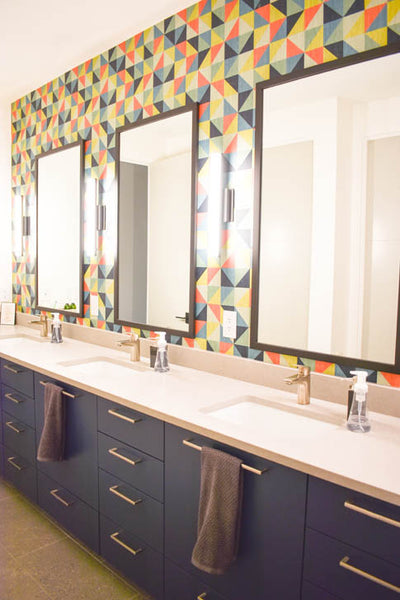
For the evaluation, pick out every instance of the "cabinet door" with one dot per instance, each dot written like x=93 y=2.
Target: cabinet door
x=179 y=584
x=272 y=527
x=78 y=471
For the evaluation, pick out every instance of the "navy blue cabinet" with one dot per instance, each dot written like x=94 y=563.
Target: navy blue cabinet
x=352 y=544
x=269 y=562
x=131 y=493
x=78 y=471
x=18 y=435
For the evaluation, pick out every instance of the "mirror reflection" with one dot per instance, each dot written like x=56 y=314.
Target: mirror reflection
x=156 y=193
x=329 y=226
x=59 y=176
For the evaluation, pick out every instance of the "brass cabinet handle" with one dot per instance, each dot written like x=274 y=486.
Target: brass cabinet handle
x=114 y=490
x=11 y=426
x=114 y=413
x=63 y=392
x=345 y=564
x=373 y=515
x=202 y=596
x=15 y=371
x=114 y=537
x=11 y=461
x=245 y=467
x=54 y=493
x=114 y=452
x=10 y=397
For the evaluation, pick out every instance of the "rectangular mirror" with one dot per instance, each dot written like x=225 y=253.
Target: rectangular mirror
x=157 y=165
x=59 y=200
x=327 y=214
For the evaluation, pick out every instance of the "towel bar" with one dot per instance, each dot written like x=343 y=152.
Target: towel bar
x=65 y=393
x=246 y=467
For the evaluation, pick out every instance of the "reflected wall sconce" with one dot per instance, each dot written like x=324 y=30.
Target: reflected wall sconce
x=228 y=211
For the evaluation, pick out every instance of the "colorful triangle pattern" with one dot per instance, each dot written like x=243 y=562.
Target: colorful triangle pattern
x=213 y=53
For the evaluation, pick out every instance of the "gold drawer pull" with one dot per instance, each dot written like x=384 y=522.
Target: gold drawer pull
x=114 y=538
x=114 y=490
x=10 y=397
x=371 y=514
x=245 y=467
x=11 y=461
x=114 y=452
x=345 y=564
x=114 y=413
x=202 y=596
x=57 y=497
x=15 y=371
x=64 y=393
x=11 y=426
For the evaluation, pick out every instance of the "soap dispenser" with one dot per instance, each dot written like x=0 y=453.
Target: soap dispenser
x=161 y=364
x=358 y=418
x=56 y=335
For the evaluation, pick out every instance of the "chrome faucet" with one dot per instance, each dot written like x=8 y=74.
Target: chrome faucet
x=134 y=344
x=43 y=323
x=303 y=379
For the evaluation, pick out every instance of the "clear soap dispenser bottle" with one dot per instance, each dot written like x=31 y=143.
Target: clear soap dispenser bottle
x=56 y=335
x=161 y=364
x=358 y=418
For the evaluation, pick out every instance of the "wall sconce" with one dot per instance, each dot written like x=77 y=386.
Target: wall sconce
x=229 y=206
x=96 y=213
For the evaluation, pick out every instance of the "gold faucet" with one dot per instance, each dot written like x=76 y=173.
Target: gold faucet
x=134 y=344
x=43 y=323
x=303 y=379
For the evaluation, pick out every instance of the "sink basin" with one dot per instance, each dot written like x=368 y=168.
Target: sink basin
x=22 y=338
x=101 y=365
x=251 y=411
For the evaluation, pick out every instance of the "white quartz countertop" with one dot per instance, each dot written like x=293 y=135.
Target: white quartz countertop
x=254 y=418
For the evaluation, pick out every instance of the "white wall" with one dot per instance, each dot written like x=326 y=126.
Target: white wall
x=169 y=241
x=5 y=202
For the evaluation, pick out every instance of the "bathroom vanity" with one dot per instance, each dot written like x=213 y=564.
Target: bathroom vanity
x=129 y=485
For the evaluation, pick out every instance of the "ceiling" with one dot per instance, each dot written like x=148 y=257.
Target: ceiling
x=41 y=40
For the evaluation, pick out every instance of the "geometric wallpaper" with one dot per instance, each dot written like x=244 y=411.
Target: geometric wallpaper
x=213 y=53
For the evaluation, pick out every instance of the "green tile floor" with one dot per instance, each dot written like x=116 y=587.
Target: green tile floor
x=39 y=561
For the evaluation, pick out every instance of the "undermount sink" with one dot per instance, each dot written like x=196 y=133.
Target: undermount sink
x=22 y=338
x=253 y=411
x=101 y=365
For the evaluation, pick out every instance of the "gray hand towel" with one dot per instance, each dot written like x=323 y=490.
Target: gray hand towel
x=51 y=445
x=220 y=506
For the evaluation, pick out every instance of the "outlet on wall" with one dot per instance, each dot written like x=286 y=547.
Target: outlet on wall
x=94 y=305
x=229 y=319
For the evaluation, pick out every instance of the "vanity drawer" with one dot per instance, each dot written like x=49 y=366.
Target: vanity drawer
x=322 y=566
x=132 y=427
x=18 y=377
x=20 y=406
x=334 y=510
x=132 y=557
x=132 y=509
x=20 y=473
x=135 y=468
x=19 y=438
x=78 y=470
x=73 y=514
x=179 y=584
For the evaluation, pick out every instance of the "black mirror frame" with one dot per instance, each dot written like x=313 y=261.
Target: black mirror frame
x=254 y=342
x=194 y=109
x=71 y=313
